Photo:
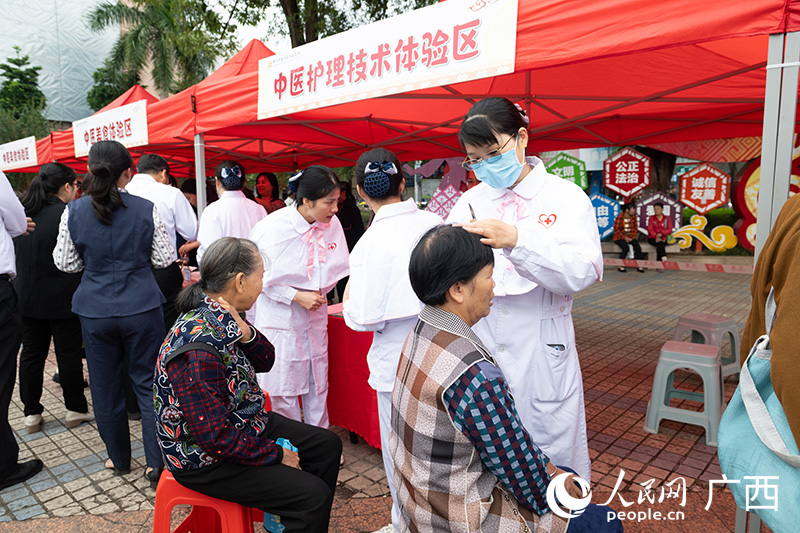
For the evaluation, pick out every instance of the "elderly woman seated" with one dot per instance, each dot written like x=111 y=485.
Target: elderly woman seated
x=464 y=462
x=214 y=433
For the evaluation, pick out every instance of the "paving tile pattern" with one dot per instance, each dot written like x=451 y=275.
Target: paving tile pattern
x=620 y=326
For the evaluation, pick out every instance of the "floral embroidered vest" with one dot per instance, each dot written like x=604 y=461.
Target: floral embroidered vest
x=212 y=326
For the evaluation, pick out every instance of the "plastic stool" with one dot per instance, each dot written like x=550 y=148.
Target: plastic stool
x=741 y=522
x=208 y=514
x=710 y=329
x=702 y=359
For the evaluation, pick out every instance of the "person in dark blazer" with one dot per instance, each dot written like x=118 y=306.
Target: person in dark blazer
x=13 y=222
x=45 y=300
x=115 y=238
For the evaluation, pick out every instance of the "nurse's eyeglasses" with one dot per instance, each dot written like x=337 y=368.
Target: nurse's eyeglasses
x=492 y=156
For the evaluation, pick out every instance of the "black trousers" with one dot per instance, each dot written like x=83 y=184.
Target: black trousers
x=67 y=338
x=637 y=249
x=108 y=341
x=661 y=248
x=11 y=335
x=302 y=498
x=170 y=281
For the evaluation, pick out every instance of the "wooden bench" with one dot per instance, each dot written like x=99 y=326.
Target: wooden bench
x=612 y=250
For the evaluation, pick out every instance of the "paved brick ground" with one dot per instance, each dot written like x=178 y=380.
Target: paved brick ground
x=620 y=326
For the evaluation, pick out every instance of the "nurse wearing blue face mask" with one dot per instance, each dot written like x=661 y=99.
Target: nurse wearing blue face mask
x=547 y=248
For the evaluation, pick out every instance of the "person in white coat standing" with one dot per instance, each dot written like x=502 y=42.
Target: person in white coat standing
x=379 y=296
x=233 y=215
x=547 y=247
x=306 y=254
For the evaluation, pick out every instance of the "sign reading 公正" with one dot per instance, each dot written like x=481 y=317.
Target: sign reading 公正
x=447 y=42
x=704 y=188
x=126 y=124
x=626 y=172
x=18 y=154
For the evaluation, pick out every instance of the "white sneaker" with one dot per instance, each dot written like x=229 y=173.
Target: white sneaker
x=341 y=461
x=386 y=529
x=33 y=423
x=664 y=258
x=74 y=419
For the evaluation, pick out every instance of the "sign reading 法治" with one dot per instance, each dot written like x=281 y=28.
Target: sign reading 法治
x=18 y=154
x=126 y=124
x=447 y=42
x=626 y=172
x=570 y=168
x=605 y=211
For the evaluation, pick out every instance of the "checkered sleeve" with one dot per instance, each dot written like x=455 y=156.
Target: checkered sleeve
x=198 y=379
x=619 y=227
x=482 y=408
x=259 y=351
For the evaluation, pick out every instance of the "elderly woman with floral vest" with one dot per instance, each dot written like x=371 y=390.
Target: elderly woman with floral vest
x=215 y=434
x=463 y=460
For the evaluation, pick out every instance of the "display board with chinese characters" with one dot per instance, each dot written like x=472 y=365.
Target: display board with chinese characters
x=704 y=188
x=18 y=154
x=444 y=43
x=626 y=172
x=605 y=211
x=570 y=168
x=672 y=210
x=126 y=124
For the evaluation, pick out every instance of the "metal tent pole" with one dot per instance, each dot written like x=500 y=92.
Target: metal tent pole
x=200 y=171
x=777 y=141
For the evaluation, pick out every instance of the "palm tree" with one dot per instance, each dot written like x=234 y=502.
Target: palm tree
x=174 y=34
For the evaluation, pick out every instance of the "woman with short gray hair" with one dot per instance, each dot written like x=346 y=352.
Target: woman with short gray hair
x=213 y=428
x=450 y=401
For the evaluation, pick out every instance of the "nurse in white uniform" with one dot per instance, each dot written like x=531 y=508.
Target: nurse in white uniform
x=547 y=247
x=379 y=296
x=306 y=254
x=233 y=215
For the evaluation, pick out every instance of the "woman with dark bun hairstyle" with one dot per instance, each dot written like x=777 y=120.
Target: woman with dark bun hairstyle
x=547 y=247
x=114 y=238
x=45 y=298
x=379 y=296
x=306 y=254
x=233 y=215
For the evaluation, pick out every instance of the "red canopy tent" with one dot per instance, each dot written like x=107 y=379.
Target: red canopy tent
x=605 y=73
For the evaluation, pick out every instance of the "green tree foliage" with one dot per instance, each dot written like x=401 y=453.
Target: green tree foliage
x=20 y=91
x=308 y=20
x=21 y=104
x=180 y=39
x=110 y=81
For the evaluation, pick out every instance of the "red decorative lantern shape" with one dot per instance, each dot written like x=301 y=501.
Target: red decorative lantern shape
x=626 y=172
x=704 y=188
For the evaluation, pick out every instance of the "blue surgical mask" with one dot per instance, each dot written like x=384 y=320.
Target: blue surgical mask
x=500 y=172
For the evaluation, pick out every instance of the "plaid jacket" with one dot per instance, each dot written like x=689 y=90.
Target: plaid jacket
x=442 y=483
x=625 y=227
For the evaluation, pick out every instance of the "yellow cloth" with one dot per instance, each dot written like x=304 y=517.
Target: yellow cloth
x=778 y=266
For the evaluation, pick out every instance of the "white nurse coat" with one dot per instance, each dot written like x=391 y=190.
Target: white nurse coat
x=233 y=215
x=381 y=297
x=529 y=329
x=298 y=256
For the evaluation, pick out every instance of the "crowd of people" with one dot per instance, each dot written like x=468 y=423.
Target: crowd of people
x=473 y=345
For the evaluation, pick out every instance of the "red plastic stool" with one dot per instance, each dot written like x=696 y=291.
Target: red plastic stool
x=208 y=514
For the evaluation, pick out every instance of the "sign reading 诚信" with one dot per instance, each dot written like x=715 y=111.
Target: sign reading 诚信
x=444 y=43
x=126 y=124
x=18 y=154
